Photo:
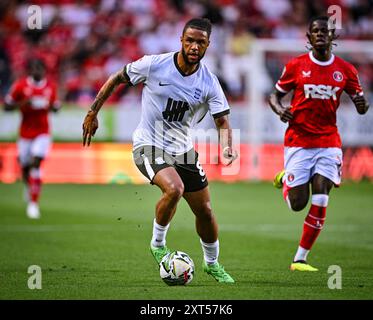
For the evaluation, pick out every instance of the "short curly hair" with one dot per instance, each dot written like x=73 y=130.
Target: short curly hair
x=203 y=24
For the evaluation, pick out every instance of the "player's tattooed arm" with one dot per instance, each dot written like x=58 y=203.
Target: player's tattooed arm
x=225 y=138
x=108 y=88
x=90 y=124
x=361 y=104
x=274 y=101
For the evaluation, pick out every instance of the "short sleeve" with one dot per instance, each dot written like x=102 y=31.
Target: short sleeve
x=138 y=71
x=353 y=85
x=15 y=93
x=287 y=81
x=216 y=100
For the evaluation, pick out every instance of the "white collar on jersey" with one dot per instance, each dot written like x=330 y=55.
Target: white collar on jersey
x=39 y=84
x=322 y=63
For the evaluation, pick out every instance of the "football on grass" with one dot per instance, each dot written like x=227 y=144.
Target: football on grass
x=176 y=268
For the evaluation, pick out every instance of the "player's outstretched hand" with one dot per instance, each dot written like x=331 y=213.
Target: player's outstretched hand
x=285 y=114
x=230 y=155
x=90 y=126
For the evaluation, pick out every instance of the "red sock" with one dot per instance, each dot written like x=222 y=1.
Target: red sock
x=34 y=186
x=312 y=226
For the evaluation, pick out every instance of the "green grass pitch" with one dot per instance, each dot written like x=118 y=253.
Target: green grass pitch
x=93 y=243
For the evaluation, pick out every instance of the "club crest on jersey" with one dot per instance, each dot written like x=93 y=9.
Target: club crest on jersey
x=320 y=91
x=290 y=177
x=337 y=76
x=306 y=74
x=197 y=93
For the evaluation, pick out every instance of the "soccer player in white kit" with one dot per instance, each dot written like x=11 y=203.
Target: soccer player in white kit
x=178 y=92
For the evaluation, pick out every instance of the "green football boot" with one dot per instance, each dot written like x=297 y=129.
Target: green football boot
x=159 y=253
x=217 y=271
x=277 y=182
x=302 y=266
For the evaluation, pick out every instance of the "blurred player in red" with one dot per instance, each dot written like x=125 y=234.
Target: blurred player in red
x=313 y=154
x=34 y=95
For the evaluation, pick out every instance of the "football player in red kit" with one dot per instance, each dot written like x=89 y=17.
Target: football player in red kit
x=313 y=155
x=34 y=95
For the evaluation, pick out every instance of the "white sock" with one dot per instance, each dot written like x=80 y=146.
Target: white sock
x=301 y=254
x=320 y=200
x=210 y=251
x=35 y=173
x=159 y=234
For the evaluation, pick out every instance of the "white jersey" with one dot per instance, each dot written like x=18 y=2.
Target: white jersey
x=173 y=102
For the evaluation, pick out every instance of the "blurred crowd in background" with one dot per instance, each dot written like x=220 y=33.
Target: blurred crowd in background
x=83 y=42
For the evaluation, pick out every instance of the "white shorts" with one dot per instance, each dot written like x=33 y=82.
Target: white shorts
x=29 y=148
x=302 y=164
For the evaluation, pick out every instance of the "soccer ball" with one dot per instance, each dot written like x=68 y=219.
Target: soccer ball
x=176 y=268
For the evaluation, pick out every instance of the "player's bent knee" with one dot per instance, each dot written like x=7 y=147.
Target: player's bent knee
x=297 y=201
x=298 y=205
x=208 y=216
x=35 y=162
x=175 y=190
x=205 y=212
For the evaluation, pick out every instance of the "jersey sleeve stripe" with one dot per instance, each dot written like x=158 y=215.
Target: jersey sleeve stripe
x=126 y=75
x=280 y=89
x=220 y=114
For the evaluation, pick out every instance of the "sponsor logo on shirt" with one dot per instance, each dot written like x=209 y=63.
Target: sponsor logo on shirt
x=320 y=91
x=175 y=110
